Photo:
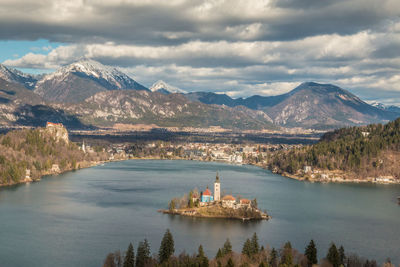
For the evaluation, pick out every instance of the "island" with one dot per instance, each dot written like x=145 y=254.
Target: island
x=205 y=205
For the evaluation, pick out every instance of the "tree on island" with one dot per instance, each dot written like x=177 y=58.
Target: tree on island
x=167 y=247
x=129 y=260
x=311 y=254
x=172 y=205
x=191 y=203
x=143 y=253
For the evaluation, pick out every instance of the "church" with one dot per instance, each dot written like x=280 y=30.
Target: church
x=207 y=197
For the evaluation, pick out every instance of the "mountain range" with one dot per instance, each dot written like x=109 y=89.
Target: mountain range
x=87 y=93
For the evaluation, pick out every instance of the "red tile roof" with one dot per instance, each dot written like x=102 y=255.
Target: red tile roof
x=244 y=201
x=229 y=197
x=207 y=192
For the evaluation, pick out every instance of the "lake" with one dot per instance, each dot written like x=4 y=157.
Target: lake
x=76 y=218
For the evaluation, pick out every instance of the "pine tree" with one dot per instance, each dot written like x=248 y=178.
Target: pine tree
x=227 y=249
x=201 y=257
x=273 y=258
x=129 y=260
x=167 y=247
x=287 y=257
x=230 y=263
x=247 y=248
x=191 y=203
x=143 y=253
x=333 y=256
x=342 y=256
x=311 y=253
x=255 y=248
x=219 y=254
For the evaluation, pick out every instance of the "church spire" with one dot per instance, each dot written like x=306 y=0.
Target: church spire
x=217 y=178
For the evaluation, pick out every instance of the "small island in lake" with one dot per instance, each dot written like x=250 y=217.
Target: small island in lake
x=204 y=204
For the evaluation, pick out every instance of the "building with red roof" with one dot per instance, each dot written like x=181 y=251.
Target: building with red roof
x=206 y=196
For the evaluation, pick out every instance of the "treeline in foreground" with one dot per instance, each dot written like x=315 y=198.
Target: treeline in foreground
x=368 y=150
x=252 y=255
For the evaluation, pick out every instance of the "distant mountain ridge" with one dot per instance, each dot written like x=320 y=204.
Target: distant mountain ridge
x=310 y=105
x=16 y=76
x=81 y=84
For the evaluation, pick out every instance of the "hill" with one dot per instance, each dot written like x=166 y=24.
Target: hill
x=82 y=79
x=20 y=106
x=369 y=153
x=26 y=155
x=310 y=105
x=172 y=110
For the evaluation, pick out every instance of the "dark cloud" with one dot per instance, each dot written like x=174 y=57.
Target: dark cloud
x=240 y=47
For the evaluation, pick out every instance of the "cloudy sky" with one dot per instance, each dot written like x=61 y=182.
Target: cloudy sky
x=242 y=48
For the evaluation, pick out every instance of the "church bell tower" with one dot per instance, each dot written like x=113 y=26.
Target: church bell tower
x=217 y=189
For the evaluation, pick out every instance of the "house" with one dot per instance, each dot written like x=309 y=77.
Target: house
x=307 y=169
x=55 y=168
x=206 y=196
x=228 y=201
x=245 y=202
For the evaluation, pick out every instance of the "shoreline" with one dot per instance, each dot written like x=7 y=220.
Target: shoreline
x=284 y=174
x=193 y=213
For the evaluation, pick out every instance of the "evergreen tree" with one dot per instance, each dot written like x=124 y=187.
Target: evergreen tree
x=262 y=264
x=167 y=247
x=191 y=203
x=287 y=257
x=129 y=260
x=311 y=253
x=109 y=261
x=255 y=248
x=143 y=253
x=342 y=256
x=230 y=263
x=333 y=256
x=202 y=258
x=273 y=258
x=227 y=249
x=219 y=254
x=247 y=248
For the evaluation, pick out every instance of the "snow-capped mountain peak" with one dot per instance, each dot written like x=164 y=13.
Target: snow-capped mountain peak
x=16 y=76
x=165 y=88
x=75 y=82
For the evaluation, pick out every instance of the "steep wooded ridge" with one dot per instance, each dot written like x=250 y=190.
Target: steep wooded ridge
x=26 y=155
x=87 y=94
x=364 y=152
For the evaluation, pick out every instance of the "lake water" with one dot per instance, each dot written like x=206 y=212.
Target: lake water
x=76 y=218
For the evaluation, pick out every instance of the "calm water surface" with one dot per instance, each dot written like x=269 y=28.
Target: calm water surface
x=76 y=218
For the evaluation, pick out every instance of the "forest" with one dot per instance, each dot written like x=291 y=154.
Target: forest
x=373 y=149
x=37 y=150
x=252 y=254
